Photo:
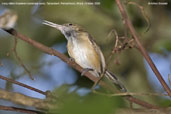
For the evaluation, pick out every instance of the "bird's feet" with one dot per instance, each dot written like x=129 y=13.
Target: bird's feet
x=86 y=70
x=72 y=59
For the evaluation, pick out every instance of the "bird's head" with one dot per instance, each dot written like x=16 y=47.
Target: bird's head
x=69 y=30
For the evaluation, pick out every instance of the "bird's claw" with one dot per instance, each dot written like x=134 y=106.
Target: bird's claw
x=72 y=59
x=86 y=70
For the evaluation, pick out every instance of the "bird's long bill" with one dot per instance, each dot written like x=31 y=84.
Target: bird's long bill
x=59 y=27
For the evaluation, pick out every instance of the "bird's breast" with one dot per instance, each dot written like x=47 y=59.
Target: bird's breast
x=84 y=54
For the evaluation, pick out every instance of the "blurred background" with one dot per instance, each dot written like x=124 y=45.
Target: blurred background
x=99 y=20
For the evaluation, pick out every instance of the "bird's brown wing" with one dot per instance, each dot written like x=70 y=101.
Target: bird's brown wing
x=98 y=50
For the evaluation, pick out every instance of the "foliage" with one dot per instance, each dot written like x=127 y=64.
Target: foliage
x=87 y=104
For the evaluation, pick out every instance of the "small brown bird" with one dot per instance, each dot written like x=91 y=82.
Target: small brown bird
x=85 y=52
x=8 y=19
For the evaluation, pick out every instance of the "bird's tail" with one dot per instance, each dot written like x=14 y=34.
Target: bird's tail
x=115 y=81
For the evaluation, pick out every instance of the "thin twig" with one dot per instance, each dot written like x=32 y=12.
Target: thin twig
x=21 y=110
x=74 y=65
x=141 y=48
x=115 y=46
x=19 y=59
x=23 y=85
x=169 y=79
x=143 y=13
x=131 y=93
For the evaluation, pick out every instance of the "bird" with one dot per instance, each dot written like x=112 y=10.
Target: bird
x=83 y=49
x=8 y=19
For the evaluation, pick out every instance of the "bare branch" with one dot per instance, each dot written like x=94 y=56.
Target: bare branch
x=132 y=94
x=144 y=111
x=23 y=85
x=141 y=48
x=19 y=59
x=115 y=46
x=22 y=110
x=21 y=99
x=143 y=13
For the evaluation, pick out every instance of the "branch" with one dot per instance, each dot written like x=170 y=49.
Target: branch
x=132 y=94
x=22 y=110
x=23 y=85
x=21 y=99
x=74 y=65
x=19 y=59
x=128 y=24
x=144 y=111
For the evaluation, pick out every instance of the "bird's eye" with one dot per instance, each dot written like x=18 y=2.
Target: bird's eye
x=70 y=24
x=68 y=34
